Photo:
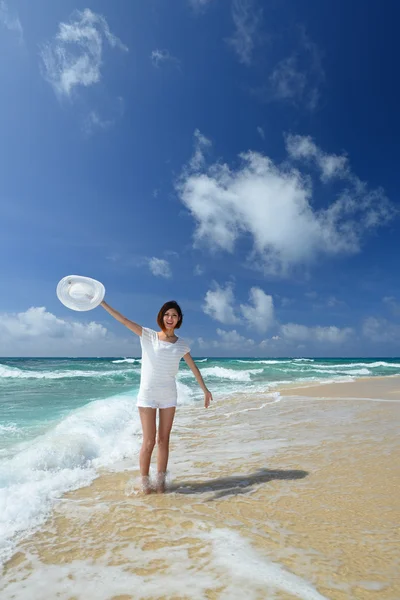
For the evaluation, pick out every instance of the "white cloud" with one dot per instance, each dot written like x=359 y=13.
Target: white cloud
x=269 y=343
x=320 y=302
x=332 y=301
x=247 y=21
x=199 y=3
x=380 y=330
x=232 y=339
x=274 y=204
x=228 y=341
x=75 y=56
x=291 y=337
x=219 y=304
x=201 y=343
x=286 y=301
x=198 y=270
x=260 y=132
x=286 y=80
x=331 y=166
x=392 y=303
x=36 y=322
x=260 y=316
x=163 y=56
x=10 y=20
x=201 y=144
x=301 y=333
x=94 y=122
x=312 y=295
x=171 y=253
x=298 y=77
x=37 y=332
x=357 y=209
x=160 y=267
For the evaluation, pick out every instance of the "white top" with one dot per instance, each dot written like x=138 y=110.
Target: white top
x=160 y=364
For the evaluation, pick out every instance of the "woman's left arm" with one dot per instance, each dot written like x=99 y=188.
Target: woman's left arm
x=191 y=364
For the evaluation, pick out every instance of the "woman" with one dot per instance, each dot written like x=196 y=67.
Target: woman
x=161 y=354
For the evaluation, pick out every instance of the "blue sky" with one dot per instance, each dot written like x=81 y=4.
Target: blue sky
x=238 y=156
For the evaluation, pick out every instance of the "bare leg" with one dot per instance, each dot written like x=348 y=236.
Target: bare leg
x=166 y=418
x=148 y=419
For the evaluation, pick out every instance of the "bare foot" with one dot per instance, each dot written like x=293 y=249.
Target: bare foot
x=160 y=485
x=146 y=485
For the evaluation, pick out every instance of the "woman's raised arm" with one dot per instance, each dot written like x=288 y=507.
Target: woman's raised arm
x=117 y=315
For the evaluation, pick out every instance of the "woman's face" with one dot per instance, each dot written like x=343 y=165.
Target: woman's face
x=171 y=318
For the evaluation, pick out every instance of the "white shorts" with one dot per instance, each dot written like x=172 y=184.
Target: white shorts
x=156 y=403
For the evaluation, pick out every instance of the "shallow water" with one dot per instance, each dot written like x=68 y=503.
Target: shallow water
x=259 y=506
x=66 y=422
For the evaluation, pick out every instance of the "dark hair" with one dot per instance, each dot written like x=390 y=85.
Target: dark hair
x=163 y=310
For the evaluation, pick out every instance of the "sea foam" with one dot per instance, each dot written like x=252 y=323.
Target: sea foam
x=66 y=457
x=223 y=373
x=15 y=373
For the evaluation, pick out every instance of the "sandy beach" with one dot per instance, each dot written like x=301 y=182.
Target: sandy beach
x=290 y=496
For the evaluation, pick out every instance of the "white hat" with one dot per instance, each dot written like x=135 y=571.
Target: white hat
x=80 y=293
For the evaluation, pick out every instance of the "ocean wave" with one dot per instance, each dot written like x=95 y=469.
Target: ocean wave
x=223 y=373
x=273 y=362
x=201 y=360
x=262 y=361
x=351 y=365
x=65 y=458
x=8 y=428
x=15 y=373
x=303 y=360
x=340 y=371
x=127 y=360
x=382 y=364
x=185 y=393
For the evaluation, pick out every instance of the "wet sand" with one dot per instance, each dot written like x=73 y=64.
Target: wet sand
x=296 y=497
x=377 y=388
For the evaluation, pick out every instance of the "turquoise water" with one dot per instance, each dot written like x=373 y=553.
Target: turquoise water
x=62 y=419
x=37 y=392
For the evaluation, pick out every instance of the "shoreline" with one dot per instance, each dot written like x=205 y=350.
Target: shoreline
x=307 y=483
x=358 y=386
